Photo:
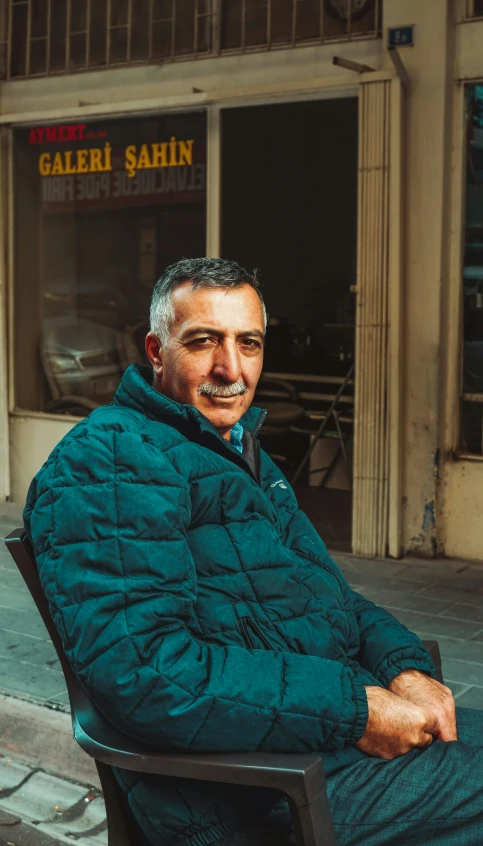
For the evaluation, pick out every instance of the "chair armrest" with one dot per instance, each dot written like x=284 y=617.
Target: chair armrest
x=433 y=648
x=301 y=776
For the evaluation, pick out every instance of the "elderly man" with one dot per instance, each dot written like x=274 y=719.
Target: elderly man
x=201 y=610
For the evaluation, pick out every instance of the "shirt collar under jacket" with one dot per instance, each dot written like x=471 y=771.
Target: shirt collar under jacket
x=236 y=436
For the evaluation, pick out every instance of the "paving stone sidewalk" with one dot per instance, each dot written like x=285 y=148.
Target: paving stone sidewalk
x=38 y=808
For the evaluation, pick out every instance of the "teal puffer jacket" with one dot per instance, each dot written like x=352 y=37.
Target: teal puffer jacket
x=198 y=605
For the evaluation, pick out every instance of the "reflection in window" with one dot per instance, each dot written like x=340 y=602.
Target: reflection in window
x=101 y=209
x=472 y=405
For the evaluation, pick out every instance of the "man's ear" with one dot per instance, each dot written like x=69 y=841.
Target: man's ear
x=154 y=352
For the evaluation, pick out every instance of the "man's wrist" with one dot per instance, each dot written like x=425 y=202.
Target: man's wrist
x=405 y=677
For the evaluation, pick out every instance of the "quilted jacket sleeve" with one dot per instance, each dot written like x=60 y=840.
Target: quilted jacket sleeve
x=111 y=545
x=387 y=646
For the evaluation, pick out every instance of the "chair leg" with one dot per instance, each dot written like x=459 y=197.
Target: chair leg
x=329 y=469
x=312 y=824
x=342 y=446
x=118 y=832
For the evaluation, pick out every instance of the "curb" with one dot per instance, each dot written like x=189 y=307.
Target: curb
x=41 y=737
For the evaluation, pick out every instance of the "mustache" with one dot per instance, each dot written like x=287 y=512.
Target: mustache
x=211 y=389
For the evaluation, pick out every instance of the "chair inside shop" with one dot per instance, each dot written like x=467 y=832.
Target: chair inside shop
x=333 y=420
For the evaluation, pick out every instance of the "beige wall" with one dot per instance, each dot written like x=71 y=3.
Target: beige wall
x=428 y=65
x=462 y=528
x=32 y=439
x=182 y=84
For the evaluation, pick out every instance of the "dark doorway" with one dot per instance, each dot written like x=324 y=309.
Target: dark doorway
x=289 y=208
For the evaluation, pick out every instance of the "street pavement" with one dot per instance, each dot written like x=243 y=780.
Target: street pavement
x=37 y=808
x=55 y=797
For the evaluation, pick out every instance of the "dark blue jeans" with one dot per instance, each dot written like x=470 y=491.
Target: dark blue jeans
x=430 y=797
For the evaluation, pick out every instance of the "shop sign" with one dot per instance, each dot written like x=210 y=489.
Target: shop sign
x=172 y=153
x=82 y=176
x=66 y=132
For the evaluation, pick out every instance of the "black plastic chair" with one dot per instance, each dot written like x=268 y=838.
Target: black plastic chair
x=299 y=776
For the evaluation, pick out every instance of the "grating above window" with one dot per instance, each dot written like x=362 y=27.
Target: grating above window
x=42 y=37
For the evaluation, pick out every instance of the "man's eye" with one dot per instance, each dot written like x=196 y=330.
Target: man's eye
x=250 y=342
x=202 y=341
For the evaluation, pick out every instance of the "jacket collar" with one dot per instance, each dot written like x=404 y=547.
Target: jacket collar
x=137 y=391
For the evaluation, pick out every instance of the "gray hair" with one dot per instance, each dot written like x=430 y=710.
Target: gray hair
x=202 y=273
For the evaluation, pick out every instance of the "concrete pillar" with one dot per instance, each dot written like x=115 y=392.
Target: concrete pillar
x=429 y=65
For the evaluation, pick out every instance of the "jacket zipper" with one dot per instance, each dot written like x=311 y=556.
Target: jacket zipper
x=323 y=566
x=260 y=422
x=248 y=623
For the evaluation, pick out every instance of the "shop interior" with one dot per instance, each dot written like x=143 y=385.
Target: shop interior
x=289 y=209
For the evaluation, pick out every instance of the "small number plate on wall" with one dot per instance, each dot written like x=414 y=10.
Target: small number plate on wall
x=400 y=36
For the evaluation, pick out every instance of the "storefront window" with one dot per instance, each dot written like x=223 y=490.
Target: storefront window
x=472 y=379
x=100 y=210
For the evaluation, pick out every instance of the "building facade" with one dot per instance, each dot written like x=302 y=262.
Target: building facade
x=124 y=129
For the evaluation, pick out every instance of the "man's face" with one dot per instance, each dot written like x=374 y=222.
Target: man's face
x=215 y=347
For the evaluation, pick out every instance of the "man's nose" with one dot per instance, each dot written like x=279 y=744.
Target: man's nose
x=227 y=362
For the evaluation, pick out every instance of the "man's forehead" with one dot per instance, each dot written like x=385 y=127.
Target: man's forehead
x=215 y=306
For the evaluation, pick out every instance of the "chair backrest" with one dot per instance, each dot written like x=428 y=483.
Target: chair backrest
x=20 y=548
x=81 y=705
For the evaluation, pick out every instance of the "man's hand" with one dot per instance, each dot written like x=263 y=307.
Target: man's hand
x=424 y=691
x=395 y=725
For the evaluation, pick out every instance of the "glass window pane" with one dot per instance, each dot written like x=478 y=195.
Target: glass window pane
x=473 y=277
x=185 y=27
x=38 y=56
x=101 y=226
x=162 y=10
x=255 y=23
x=77 y=50
x=140 y=31
x=204 y=27
x=118 y=51
x=98 y=31
x=339 y=21
x=119 y=12
x=162 y=39
x=78 y=15
x=18 y=66
x=58 y=23
x=231 y=24
x=38 y=18
x=281 y=21
x=307 y=22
